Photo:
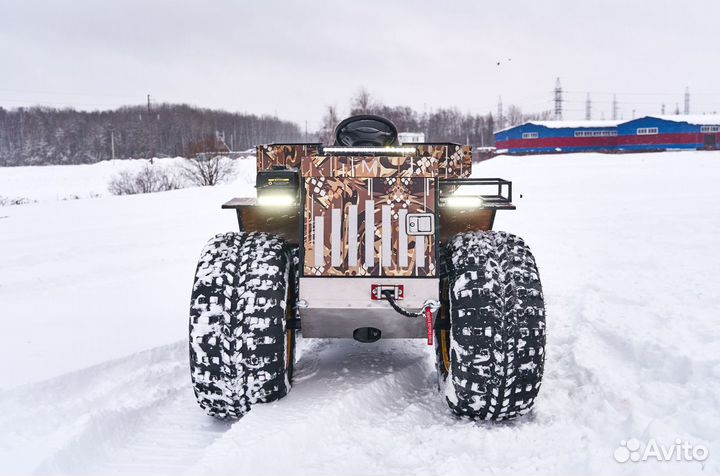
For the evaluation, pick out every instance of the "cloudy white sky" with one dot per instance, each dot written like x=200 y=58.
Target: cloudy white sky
x=291 y=58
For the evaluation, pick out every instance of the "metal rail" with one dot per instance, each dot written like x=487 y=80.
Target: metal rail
x=503 y=197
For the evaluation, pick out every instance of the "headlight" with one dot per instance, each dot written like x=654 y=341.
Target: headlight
x=276 y=199
x=277 y=187
x=464 y=201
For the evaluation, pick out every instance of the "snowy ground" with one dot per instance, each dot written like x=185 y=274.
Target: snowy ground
x=75 y=182
x=93 y=366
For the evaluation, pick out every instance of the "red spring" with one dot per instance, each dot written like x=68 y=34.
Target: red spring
x=429 y=324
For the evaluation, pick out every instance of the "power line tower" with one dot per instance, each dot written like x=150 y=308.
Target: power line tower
x=588 y=108
x=615 y=108
x=500 y=118
x=662 y=109
x=686 y=110
x=558 y=100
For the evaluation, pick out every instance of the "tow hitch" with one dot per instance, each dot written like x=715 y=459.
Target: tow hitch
x=427 y=310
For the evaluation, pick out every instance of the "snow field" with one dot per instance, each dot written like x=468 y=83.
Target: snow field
x=627 y=251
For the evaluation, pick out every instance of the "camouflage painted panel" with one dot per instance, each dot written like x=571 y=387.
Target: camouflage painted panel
x=457 y=163
x=365 y=167
x=288 y=155
x=356 y=227
x=431 y=160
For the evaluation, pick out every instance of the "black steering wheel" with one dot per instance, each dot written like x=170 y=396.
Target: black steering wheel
x=366 y=131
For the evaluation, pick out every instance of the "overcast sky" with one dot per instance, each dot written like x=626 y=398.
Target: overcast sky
x=293 y=58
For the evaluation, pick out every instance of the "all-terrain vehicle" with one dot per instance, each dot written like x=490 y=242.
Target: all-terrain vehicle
x=369 y=239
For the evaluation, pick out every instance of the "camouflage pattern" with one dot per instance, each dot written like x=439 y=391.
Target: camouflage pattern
x=415 y=195
x=430 y=160
x=369 y=166
x=288 y=155
x=337 y=186
x=455 y=161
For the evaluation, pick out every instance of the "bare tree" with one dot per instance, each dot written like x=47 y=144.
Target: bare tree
x=327 y=130
x=514 y=115
x=149 y=179
x=362 y=102
x=207 y=162
x=208 y=170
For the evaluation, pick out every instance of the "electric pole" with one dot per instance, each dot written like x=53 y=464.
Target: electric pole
x=558 y=100
x=687 y=101
x=588 y=108
x=112 y=143
x=500 y=118
x=615 y=108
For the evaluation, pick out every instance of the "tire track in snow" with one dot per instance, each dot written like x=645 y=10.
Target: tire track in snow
x=132 y=415
x=372 y=409
x=343 y=391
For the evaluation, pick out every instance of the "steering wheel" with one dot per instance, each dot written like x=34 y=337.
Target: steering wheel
x=366 y=131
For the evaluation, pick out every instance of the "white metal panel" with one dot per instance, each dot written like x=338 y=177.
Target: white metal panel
x=369 y=233
x=335 y=238
x=337 y=306
x=402 y=239
x=319 y=241
x=386 y=235
x=352 y=235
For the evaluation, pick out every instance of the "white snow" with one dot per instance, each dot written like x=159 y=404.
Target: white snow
x=72 y=182
x=627 y=247
x=697 y=119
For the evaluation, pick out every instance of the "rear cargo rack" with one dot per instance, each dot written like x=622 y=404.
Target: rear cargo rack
x=501 y=200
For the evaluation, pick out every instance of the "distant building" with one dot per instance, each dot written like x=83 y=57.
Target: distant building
x=545 y=137
x=411 y=137
x=669 y=132
x=641 y=134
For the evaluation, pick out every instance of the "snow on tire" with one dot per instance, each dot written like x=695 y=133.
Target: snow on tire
x=238 y=345
x=496 y=343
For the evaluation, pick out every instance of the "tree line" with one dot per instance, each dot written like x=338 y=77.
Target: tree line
x=41 y=135
x=439 y=125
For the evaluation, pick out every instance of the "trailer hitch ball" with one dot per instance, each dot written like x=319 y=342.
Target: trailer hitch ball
x=367 y=335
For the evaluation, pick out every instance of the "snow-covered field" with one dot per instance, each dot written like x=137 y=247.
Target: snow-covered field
x=75 y=182
x=93 y=311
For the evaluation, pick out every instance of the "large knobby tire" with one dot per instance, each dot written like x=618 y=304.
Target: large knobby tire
x=241 y=351
x=492 y=357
